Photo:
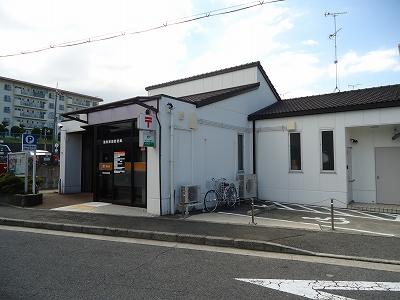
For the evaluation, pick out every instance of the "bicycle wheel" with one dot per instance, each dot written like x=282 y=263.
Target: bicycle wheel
x=210 y=201
x=231 y=196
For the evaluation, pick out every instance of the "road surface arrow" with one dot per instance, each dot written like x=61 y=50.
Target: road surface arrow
x=315 y=289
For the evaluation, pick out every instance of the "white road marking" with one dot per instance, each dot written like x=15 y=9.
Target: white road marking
x=344 y=262
x=307 y=208
x=311 y=289
x=327 y=220
x=370 y=216
x=283 y=206
x=359 y=230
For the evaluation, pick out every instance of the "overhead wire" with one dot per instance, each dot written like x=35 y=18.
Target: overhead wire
x=174 y=22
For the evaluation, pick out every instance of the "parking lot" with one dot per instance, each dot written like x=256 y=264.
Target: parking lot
x=345 y=220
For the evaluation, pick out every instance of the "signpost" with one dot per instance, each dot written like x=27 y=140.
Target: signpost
x=29 y=143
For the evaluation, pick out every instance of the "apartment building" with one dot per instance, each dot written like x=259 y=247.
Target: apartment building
x=33 y=105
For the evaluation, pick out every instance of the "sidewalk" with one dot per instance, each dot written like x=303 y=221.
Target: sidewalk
x=285 y=240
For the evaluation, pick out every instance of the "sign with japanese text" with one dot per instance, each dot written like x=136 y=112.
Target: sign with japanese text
x=147 y=138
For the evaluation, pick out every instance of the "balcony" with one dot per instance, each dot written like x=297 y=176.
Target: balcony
x=32 y=94
x=23 y=103
x=23 y=114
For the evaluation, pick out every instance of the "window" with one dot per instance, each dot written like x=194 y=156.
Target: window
x=240 y=152
x=51 y=105
x=61 y=107
x=295 y=151
x=6 y=109
x=7 y=98
x=7 y=87
x=327 y=151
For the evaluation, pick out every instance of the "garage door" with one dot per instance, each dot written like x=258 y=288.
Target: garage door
x=387 y=165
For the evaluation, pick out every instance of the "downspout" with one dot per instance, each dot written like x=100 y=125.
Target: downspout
x=254 y=147
x=159 y=154
x=171 y=161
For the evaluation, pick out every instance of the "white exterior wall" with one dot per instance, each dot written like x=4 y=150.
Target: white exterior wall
x=211 y=150
x=217 y=82
x=70 y=157
x=311 y=186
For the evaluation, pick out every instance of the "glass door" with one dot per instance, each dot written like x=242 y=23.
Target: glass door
x=105 y=173
x=122 y=158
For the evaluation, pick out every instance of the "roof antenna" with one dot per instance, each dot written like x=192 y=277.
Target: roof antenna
x=333 y=35
x=353 y=86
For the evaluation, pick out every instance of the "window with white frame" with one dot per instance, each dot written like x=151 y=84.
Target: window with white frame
x=327 y=151
x=240 y=152
x=295 y=151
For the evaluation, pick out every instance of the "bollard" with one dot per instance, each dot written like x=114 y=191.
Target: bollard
x=332 y=218
x=252 y=212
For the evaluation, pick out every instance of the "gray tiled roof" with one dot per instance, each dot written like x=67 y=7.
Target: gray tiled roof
x=215 y=96
x=370 y=98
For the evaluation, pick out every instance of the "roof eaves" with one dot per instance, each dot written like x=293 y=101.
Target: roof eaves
x=204 y=75
x=269 y=82
x=365 y=106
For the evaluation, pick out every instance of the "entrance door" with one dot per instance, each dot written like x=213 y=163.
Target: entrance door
x=350 y=179
x=105 y=173
x=387 y=166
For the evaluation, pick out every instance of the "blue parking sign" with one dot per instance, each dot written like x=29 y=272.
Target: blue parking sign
x=29 y=142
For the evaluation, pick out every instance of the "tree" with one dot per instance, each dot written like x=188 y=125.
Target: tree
x=3 y=128
x=48 y=132
x=36 y=131
x=16 y=130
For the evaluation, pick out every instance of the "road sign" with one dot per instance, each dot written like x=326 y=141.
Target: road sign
x=146 y=122
x=315 y=289
x=29 y=142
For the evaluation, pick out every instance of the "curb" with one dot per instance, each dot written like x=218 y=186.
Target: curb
x=184 y=238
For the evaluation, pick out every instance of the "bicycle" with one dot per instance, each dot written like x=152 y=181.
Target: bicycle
x=221 y=192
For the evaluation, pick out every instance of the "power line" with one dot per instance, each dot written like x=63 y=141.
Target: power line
x=108 y=36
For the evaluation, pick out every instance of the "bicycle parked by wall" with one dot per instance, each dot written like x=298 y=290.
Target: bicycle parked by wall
x=221 y=193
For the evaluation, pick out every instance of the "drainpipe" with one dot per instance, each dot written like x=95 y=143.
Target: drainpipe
x=171 y=161
x=159 y=154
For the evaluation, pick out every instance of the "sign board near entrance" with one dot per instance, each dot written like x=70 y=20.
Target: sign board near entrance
x=147 y=138
x=146 y=122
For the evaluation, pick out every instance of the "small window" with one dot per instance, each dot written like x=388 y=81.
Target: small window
x=7 y=109
x=295 y=151
x=51 y=105
x=61 y=107
x=7 y=87
x=7 y=98
x=240 y=152
x=327 y=151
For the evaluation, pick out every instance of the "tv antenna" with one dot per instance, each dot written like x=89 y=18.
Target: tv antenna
x=333 y=36
x=353 y=86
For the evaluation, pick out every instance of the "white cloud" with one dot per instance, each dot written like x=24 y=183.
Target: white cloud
x=310 y=43
x=370 y=62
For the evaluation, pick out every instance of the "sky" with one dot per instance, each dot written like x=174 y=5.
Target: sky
x=289 y=38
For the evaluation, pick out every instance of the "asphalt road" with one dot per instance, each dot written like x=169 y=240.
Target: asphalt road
x=40 y=266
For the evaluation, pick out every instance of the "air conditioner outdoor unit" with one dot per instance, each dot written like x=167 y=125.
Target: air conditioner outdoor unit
x=190 y=194
x=247 y=185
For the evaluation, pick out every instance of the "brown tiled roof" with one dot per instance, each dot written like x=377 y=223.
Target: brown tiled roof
x=370 y=98
x=219 y=72
x=215 y=96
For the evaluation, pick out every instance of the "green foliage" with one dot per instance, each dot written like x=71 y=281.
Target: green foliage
x=11 y=184
x=36 y=131
x=3 y=128
x=17 y=129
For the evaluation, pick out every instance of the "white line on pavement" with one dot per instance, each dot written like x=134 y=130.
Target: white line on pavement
x=283 y=206
x=307 y=208
x=369 y=215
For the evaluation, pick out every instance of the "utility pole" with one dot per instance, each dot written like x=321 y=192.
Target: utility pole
x=333 y=35
x=55 y=119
